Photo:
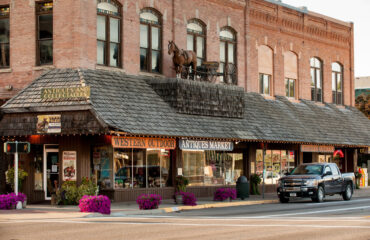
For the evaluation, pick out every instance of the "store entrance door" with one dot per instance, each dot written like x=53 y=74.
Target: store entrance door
x=51 y=169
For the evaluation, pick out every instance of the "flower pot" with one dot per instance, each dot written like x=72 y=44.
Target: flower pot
x=178 y=199
x=24 y=203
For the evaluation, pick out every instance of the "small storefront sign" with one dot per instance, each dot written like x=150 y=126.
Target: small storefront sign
x=186 y=144
x=63 y=93
x=69 y=165
x=139 y=142
x=317 y=148
x=49 y=124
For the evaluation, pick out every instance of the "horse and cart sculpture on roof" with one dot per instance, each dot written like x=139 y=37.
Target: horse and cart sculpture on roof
x=185 y=63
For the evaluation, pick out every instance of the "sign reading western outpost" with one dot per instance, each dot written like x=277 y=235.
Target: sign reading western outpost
x=186 y=144
x=137 y=142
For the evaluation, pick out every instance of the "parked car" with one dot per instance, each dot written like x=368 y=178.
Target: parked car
x=316 y=180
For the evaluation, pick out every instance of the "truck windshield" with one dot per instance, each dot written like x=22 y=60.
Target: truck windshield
x=307 y=170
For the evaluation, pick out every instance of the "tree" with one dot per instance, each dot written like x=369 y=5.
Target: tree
x=363 y=104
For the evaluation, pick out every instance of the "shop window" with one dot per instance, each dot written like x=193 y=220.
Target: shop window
x=102 y=166
x=265 y=69
x=275 y=164
x=4 y=37
x=38 y=164
x=44 y=12
x=290 y=87
x=228 y=56
x=140 y=168
x=196 y=39
x=265 y=82
x=337 y=80
x=316 y=79
x=208 y=168
x=108 y=33
x=150 y=41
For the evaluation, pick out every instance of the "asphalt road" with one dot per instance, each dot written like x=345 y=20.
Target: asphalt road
x=333 y=219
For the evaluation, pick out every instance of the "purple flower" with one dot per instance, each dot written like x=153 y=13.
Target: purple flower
x=99 y=204
x=9 y=201
x=149 y=201
x=222 y=194
x=188 y=199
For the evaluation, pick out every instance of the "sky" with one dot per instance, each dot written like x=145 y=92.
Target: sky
x=357 y=11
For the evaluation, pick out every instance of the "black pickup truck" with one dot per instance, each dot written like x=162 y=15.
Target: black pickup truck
x=315 y=180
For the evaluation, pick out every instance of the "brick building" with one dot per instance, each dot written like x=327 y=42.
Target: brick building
x=295 y=63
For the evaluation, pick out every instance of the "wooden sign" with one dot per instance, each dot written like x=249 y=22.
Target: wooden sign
x=317 y=148
x=48 y=124
x=63 y=93
x=138 y=142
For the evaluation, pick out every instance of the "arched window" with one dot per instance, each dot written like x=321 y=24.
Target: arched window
x=290 y=73
x=228 y=56
x=316 y=79
x=337 y=82
x=265 y=69
x=196 y=39
x=108 y=33
x=150 y=40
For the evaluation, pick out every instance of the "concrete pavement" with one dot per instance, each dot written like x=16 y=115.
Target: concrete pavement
x=131 y=208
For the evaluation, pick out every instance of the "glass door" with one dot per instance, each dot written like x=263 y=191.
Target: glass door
x=51 y=171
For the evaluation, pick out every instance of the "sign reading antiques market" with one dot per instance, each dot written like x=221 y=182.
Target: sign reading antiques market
x=186 y=144
x=63 y=93
x=140 y=142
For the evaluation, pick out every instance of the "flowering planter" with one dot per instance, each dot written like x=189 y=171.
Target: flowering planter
x=225 y=194
x=9 y=201
x=188 y=199
x=149 y=201
x=100 y=204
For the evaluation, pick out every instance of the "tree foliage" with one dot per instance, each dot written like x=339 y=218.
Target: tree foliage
x=363 y=104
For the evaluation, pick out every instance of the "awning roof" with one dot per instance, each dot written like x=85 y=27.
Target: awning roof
x=129 y=104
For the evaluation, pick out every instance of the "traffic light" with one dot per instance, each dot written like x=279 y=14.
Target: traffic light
x=20 y=147
x=10 y=147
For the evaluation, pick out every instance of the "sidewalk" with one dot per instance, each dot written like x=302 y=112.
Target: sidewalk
x=168 y=205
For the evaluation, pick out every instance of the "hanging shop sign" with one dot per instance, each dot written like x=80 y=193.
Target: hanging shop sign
x=139 y=142
x=317 y=148
x=69 y=165
x=49 y=124
x=186 y=144
x=63 y=93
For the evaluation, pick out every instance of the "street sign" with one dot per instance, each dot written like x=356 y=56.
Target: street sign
x=17 y=147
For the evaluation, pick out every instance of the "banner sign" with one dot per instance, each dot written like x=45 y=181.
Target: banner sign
x=49 y=124
x=138 y=142
x=63 y=93
x=186 y=144
x=317 y=148
x=69 y=165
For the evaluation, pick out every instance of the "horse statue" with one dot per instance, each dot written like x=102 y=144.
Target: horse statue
x=182 y=58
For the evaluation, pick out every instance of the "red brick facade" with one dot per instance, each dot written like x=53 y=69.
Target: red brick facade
x=256 y=22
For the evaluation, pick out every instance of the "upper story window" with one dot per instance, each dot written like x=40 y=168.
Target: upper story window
x=196 y=39
x=228 y=56
x=290 y=73
x=337 y=82
x=44 y=12
x=108 y=33
x=316 y=79
x=150 y=41
x=265 y=69
x=4 y=37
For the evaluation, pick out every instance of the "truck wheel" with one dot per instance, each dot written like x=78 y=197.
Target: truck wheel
x=283 y=199
x=347 y=194
x=320 y=195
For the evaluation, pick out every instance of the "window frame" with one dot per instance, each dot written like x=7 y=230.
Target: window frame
x=196 y=34
x=315 y=88
x=7 y=16
x=228 y=41
x=261 y=86
x=290 y=81
x=107 y=41
x=40 y=13
x=149 y=48
x=336 y=92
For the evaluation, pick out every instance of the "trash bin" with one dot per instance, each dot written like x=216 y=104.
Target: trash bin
x=242 y=187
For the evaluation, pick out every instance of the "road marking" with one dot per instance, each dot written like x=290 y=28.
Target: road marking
x=336 y=202
x=197 y=224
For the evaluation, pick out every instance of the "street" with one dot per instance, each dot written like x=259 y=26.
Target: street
x=301 y=219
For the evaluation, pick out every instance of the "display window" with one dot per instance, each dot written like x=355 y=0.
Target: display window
x=275 y=164
x=207 y=168
x=141 y=168
x=102 y=166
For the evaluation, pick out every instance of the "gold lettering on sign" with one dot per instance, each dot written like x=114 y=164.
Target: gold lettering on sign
x=317 y=148
x=63 y=93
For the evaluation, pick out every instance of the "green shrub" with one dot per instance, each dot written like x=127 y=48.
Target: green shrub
x=70 y=194
x=21 y=176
